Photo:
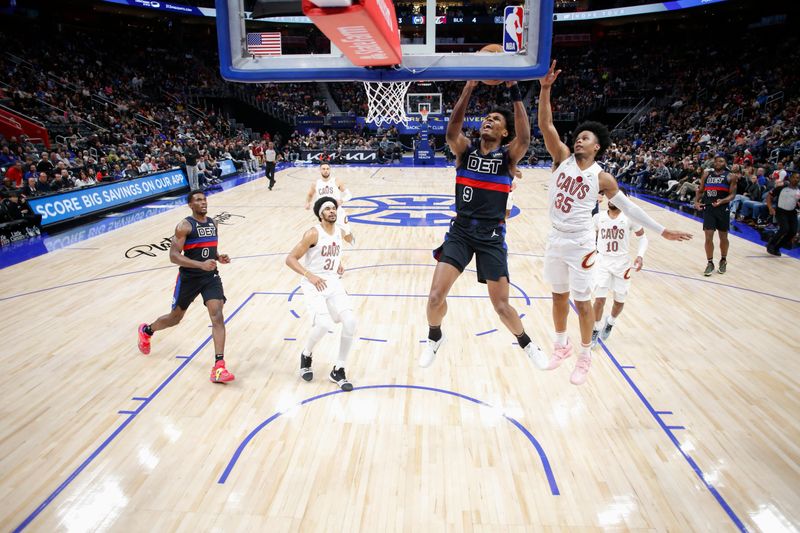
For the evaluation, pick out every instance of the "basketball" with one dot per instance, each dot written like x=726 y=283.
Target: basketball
x=495 y=49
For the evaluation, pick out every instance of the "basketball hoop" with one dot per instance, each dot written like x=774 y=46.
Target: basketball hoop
x=386 y=101
x=423 y=112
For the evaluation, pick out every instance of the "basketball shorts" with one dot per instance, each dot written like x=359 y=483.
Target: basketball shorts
x=716 y=218
x=568 y=262
x=332 y=301
x=188 y=287
x=485 y=240
x=612 y=273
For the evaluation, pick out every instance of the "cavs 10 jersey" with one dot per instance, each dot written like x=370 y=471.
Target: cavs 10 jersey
x=614 y=234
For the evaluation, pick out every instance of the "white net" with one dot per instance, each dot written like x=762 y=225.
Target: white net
x=386 y=102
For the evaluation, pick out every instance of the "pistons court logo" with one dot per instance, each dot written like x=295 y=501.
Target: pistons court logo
x=512 y=29
x=404 y=210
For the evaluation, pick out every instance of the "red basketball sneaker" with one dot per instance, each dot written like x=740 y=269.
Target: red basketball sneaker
x=144 y=340
x=220 y=374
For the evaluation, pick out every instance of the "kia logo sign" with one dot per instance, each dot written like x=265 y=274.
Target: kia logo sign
x=361 y=156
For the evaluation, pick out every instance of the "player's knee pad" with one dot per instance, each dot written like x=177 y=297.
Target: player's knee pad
x=348 y=323
x=323 y=322
x=582 y=295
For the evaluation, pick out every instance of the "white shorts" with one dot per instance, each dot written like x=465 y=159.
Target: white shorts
x=568 y=262
x=332 y=301
x=612 y=274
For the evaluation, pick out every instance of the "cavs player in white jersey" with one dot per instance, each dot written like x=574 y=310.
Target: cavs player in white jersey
x=574 y=186
x=326 y=300
x=613 y=265
x=335 y=188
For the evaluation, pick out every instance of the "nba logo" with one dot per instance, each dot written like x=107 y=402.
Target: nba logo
x=512 y=29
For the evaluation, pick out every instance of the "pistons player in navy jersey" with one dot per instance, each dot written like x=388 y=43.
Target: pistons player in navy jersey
x=194 y=250
x=717 y=189
x=484 y=172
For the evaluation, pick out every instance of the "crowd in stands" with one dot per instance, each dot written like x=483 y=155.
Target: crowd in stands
x=116 y=120
x=107 y=120
x=293 y=98
x=722 y=107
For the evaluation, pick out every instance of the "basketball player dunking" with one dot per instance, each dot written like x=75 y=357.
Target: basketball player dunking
x=613 y=266
x=574 y=185
x=326 y=300
x=194 y=250
x=335 y=188
x=484 y=172
x=717 y=189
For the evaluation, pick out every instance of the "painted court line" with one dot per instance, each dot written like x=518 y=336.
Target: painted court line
x=540 y=451
x=669 y=432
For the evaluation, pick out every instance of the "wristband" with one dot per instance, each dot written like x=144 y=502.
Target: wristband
x=516 y=95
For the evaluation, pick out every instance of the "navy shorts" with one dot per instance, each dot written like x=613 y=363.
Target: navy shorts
x=484 y=239
x=716 y=218
x=188 y=287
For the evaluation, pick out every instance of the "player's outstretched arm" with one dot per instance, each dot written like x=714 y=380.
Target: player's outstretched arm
x=609 y=187
x=456 y=139
x=557 y=149
x=522 y=126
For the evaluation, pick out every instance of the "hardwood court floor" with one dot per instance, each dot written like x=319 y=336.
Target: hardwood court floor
x=689 y=421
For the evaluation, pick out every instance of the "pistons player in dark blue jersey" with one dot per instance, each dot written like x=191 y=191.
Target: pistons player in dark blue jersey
x=484 y=172
x=194 y=250
x=714 y=195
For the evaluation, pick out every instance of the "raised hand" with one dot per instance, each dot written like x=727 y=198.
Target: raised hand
x=674 y=235
x=550 y=78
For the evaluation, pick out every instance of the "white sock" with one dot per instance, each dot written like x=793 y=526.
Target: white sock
x=586 y=350
x=346 y=341
x=317 y=332
x=598 y=325
x=611 y=320
x=561 y=338
x=344 y=348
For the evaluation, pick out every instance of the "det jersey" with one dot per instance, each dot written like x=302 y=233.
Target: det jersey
x=483 y=182
x=201 y=244
x=614 y=234
x=572 y=196
x=327 y=188
x=717 y=187
x=323 y=259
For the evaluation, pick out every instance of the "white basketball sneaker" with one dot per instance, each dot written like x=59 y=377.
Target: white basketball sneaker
x=606 y=331
x=537 y=356
x=429 y=353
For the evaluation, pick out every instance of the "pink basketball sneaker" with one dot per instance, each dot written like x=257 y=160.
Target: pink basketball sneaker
x=581 y=371
x=559 y=354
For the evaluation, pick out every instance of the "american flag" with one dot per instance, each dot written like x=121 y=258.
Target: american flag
x=264 y=44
